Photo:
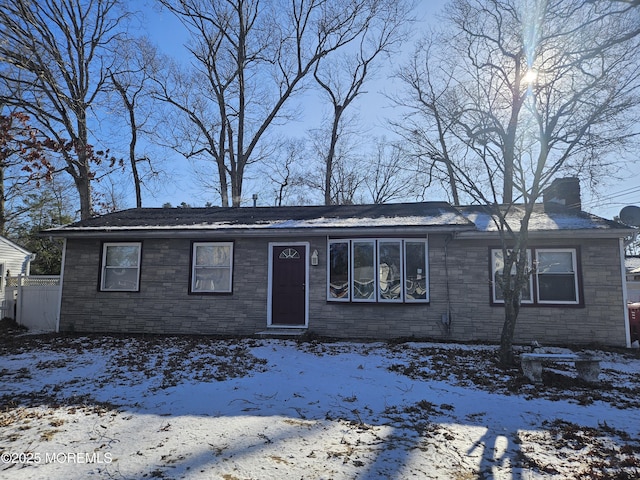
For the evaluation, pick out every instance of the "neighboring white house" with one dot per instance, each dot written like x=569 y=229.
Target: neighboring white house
x=14 y=260
x=32 y=301
x=632 y=267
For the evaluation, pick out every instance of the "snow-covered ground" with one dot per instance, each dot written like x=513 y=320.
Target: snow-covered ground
x=183 y=407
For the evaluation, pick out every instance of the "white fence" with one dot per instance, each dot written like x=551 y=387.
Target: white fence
x=33 y=301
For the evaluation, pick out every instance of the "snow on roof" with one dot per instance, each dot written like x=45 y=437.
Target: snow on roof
x=632 y=264
x=321 y=222
x=426 y=214
x=541 y=219
x=408 y=215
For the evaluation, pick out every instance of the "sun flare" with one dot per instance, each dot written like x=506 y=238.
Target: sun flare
x=530 y=77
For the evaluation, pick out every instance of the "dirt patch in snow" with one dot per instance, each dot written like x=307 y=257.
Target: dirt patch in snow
x=160 y=361
x=602 y=453
x=478 y=367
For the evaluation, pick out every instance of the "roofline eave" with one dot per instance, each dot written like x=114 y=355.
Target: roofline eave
x=194 y=233
x=542 y=234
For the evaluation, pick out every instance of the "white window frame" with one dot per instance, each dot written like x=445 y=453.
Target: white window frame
x=194 y=267
x=105 y=267
x=347 y=297
x=425 y=273
x=376 y=297
x=401 y=252
x=574 y=266
x=495 y=299
x=352 y=266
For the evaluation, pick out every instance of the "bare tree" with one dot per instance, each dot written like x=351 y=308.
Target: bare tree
x=343 y=77
x=388 y=177
x=347 y=182
x=348 y=170
x=54 y=55
x=249 y=59
x=138 y=64
x=539 y=89
x=282 y=173
x=431 y=111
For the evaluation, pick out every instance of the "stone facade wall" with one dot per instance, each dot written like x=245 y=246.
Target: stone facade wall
x=163 y=304
x=599 y=321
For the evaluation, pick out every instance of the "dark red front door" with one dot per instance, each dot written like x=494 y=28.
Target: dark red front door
x=288 y=285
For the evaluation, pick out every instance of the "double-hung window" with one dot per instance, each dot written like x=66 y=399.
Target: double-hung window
x=121 y=267
x=552 y=277
x=387 y=270
x=497 y=264
x=212 y=267
x=556 y=274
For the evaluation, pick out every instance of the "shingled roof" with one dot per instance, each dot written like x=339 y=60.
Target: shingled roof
x=432 y=215
x=544 y=219
x=416 y=218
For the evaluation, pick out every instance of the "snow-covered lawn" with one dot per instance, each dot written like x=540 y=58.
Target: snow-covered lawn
x=184 y=407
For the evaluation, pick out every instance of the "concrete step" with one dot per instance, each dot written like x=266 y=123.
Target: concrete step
x=281 y=333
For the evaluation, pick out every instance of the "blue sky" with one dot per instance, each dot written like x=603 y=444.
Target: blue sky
x=170 y=37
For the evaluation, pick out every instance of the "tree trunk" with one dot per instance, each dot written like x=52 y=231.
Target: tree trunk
x=136 y=177
x=222 y=178
x=452 y=182
x=132 y=155
x=517 y=99
x=328 y=171
x=83 y=186
x=236 y=182
x=83 y=168
x=512 y=287
x=130 y=106
x=511 y=309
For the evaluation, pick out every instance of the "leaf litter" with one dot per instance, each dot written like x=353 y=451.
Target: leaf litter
x=114 y=406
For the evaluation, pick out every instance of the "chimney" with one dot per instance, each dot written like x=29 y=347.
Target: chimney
x=562 y=194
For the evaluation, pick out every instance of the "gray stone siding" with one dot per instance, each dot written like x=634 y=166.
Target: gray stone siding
x=600 y=321
x=163 y=304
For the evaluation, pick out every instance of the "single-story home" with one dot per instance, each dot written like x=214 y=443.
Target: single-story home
x=384 y=271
